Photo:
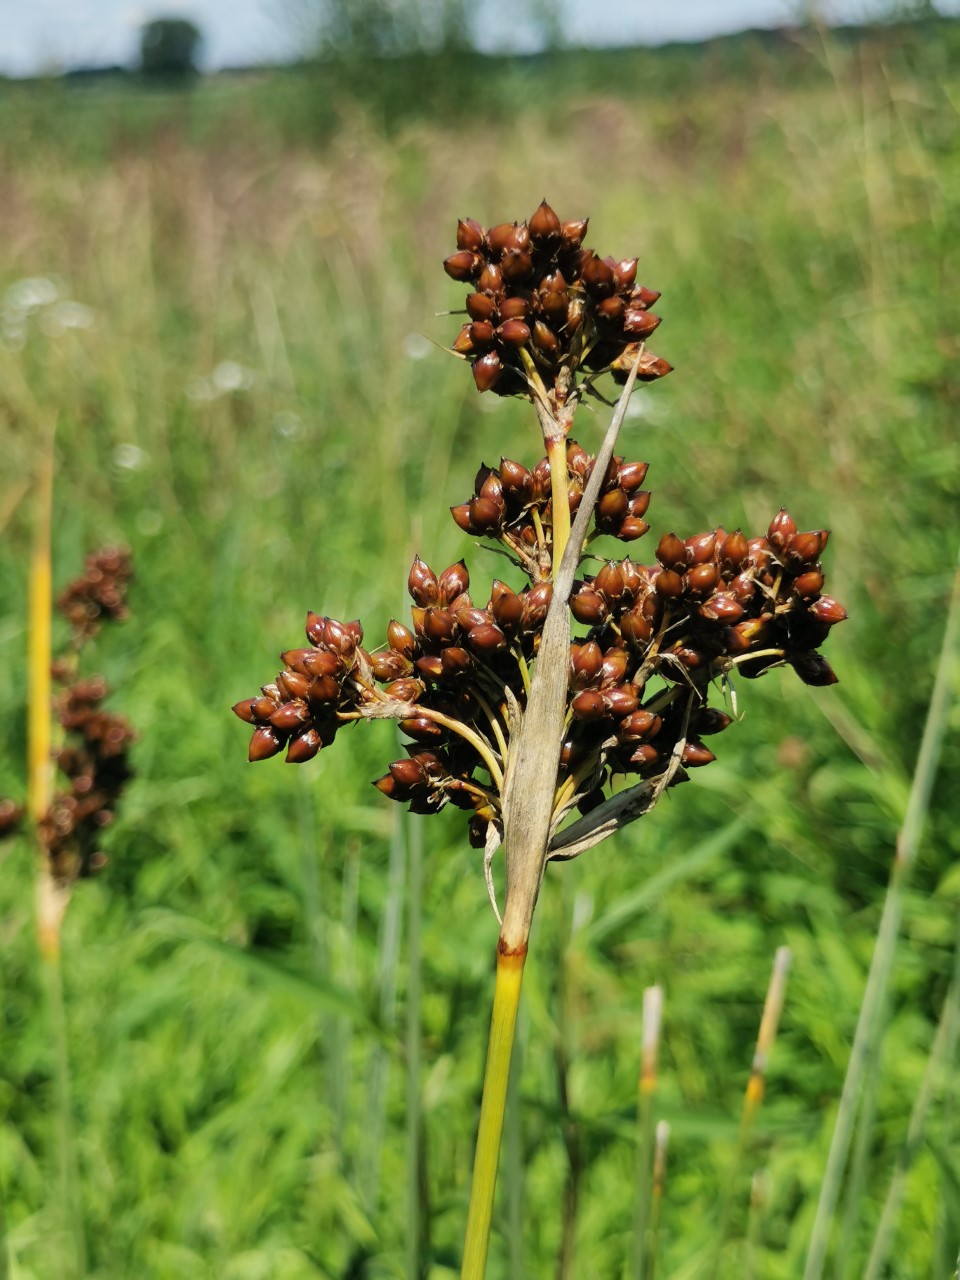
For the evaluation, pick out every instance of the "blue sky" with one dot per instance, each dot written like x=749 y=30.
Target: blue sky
x=39 y=35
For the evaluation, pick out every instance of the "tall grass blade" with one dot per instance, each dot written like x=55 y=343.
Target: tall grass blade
x=513 y=1160
x=415 y=1263
x=661 y=1139
x=647 y=1084
x=942 y=1054
x=868 y=1022
x=753 y=1097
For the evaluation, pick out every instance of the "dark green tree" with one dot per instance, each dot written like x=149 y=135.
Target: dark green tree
x=169 y=47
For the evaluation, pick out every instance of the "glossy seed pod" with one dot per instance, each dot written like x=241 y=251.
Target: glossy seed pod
x=486 y=639
x=588 y=705
x=266 y=742
x=462 y=265
x=782 y=527
x=588 y=606
x=733 y=551
x=422 y=584
x=545 y=227
x=672 y=552
x=453 y=582
x=487 y=371
x=304 y=746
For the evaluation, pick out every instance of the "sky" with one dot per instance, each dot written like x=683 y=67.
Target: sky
x=49 y=35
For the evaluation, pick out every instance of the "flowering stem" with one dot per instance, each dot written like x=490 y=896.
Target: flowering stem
x=560 y=503
x=506 y=998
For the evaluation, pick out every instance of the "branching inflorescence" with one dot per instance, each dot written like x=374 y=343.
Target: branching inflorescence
x=92 y=760
x=509 y=716
x=655 y=640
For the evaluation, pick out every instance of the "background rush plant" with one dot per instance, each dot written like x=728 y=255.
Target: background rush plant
x=508 y=719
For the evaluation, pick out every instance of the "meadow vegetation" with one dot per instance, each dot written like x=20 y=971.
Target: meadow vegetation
x=224 y=299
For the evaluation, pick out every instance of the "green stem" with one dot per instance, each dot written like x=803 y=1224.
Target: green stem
x=506 y=999
x=68 y=1171
x=413 y=1269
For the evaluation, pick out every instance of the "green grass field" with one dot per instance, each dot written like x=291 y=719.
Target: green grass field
x=249 y=397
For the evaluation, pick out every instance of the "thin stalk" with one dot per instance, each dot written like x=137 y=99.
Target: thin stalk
x=413 y=1269
x=661 y=1139
x=560 y=502
x=860 y=1160
x=647 y=1085
x=753 y=1097
x=759 y=1195
x=66 y=1142
x=941 y=1054
x=506 y=998
x=868 y=1021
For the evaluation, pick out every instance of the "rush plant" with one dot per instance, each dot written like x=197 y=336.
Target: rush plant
x=555 y=714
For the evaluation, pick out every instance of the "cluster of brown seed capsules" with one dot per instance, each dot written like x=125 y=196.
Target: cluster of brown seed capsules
x=94 y=758
x=512 y=505
x=537 y=290
x=658 y=637
x=95 y=763
x=99 y=594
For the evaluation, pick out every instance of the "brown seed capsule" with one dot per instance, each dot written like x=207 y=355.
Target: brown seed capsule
x=421 y=729
x=461 y=515
x=631 y=475
x=803 y=549
x=324 y=689
x=387 y=785
x=598 y=278
x=422 y=584
x=782 y=527
x=470 y=235
x=491 y=279
x=453 y=582
x=454 y=661
x=536 y=603
x=700 y=548
x=572 y=233
x=439 y=625
x=588 y=607
x=514 y=477
x=609 y=582
x=808 y=584
x=408 y=773
x=611 y=510
x=545 y=226
x=486 y=639
x=631 y=528
x=486 y=515
x=743 y=587
x=644 y=297
x=303 y=746
x=404 y=690
x=480 y=306
x=733 y=552
x=696 y=754
x=645 y=756
x=669 y=584
x=507 y=235
x=635 y=627
x=293 y=684
x=462 y=265
x=463 y=343
x=614 y=669
x=514 y=333
x=672 y=552
x=401 y=638
x=506 y=606
x=828 y=611
x=620 y=701
x=722 y=607
x=244 y=710
x=640 y=724
x=574 y=316
x=481 y=334
x=266 y=742
x=588 y=705
x=544 y=339
x=639 y=324
x=701 y=579
x=586 y=663
x=263 y=708
x=625 y=272
x=517 y=266
x=812 y=668
x=711 y=720
x=468 y=617
x=612 y=309
x=750 y=634
x=487 y=371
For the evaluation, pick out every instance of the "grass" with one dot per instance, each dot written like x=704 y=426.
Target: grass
x=226 y=971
